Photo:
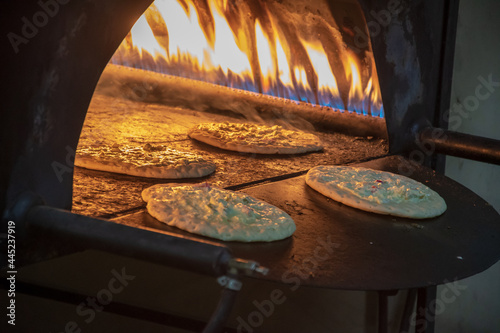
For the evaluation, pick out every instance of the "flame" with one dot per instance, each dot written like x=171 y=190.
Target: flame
x=246 y=47
x=143 y=38
x=328 y=89
x=268 y=66
x=356 y=89
x=375 y=103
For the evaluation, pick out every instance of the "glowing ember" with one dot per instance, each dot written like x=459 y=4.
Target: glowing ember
x=255 y=46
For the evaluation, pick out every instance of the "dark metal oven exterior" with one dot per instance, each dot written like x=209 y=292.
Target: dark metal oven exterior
x=52 y=67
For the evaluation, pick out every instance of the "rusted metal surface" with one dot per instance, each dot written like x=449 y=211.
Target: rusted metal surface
x=413 y=47
x=336 y=246
x=52 y=76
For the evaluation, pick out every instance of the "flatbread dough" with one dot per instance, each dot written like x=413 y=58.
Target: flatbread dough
x=218 y=213
x=253 y=138
x=146 y=161
x=376 y=191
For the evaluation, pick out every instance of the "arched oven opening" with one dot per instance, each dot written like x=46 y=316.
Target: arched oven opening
x=184 y=64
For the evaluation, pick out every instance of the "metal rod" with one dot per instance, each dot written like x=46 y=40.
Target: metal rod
x=435 y=140
x=411 y=297
x=425 y=312
x=77 y=231
x=382 y=312
x=222 y=312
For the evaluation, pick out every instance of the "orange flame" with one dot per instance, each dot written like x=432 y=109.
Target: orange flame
x=255 y=47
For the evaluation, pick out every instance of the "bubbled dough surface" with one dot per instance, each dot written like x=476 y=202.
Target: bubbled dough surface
x=218 y=213
x=376 y=191
x=253 y=138
x=144 y=161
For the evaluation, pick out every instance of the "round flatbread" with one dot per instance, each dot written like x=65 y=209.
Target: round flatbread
x=144 y=161
x=376 y=191
x=253 y=138
x=218 y=213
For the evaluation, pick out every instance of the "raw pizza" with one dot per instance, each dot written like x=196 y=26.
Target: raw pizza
x=376 y=191
x=218 y=213
x=253 y=138
x=144 y=161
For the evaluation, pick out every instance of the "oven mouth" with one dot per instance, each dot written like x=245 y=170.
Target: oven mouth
x=153 y=91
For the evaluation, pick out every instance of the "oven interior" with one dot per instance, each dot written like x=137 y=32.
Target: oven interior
x=271 y=63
